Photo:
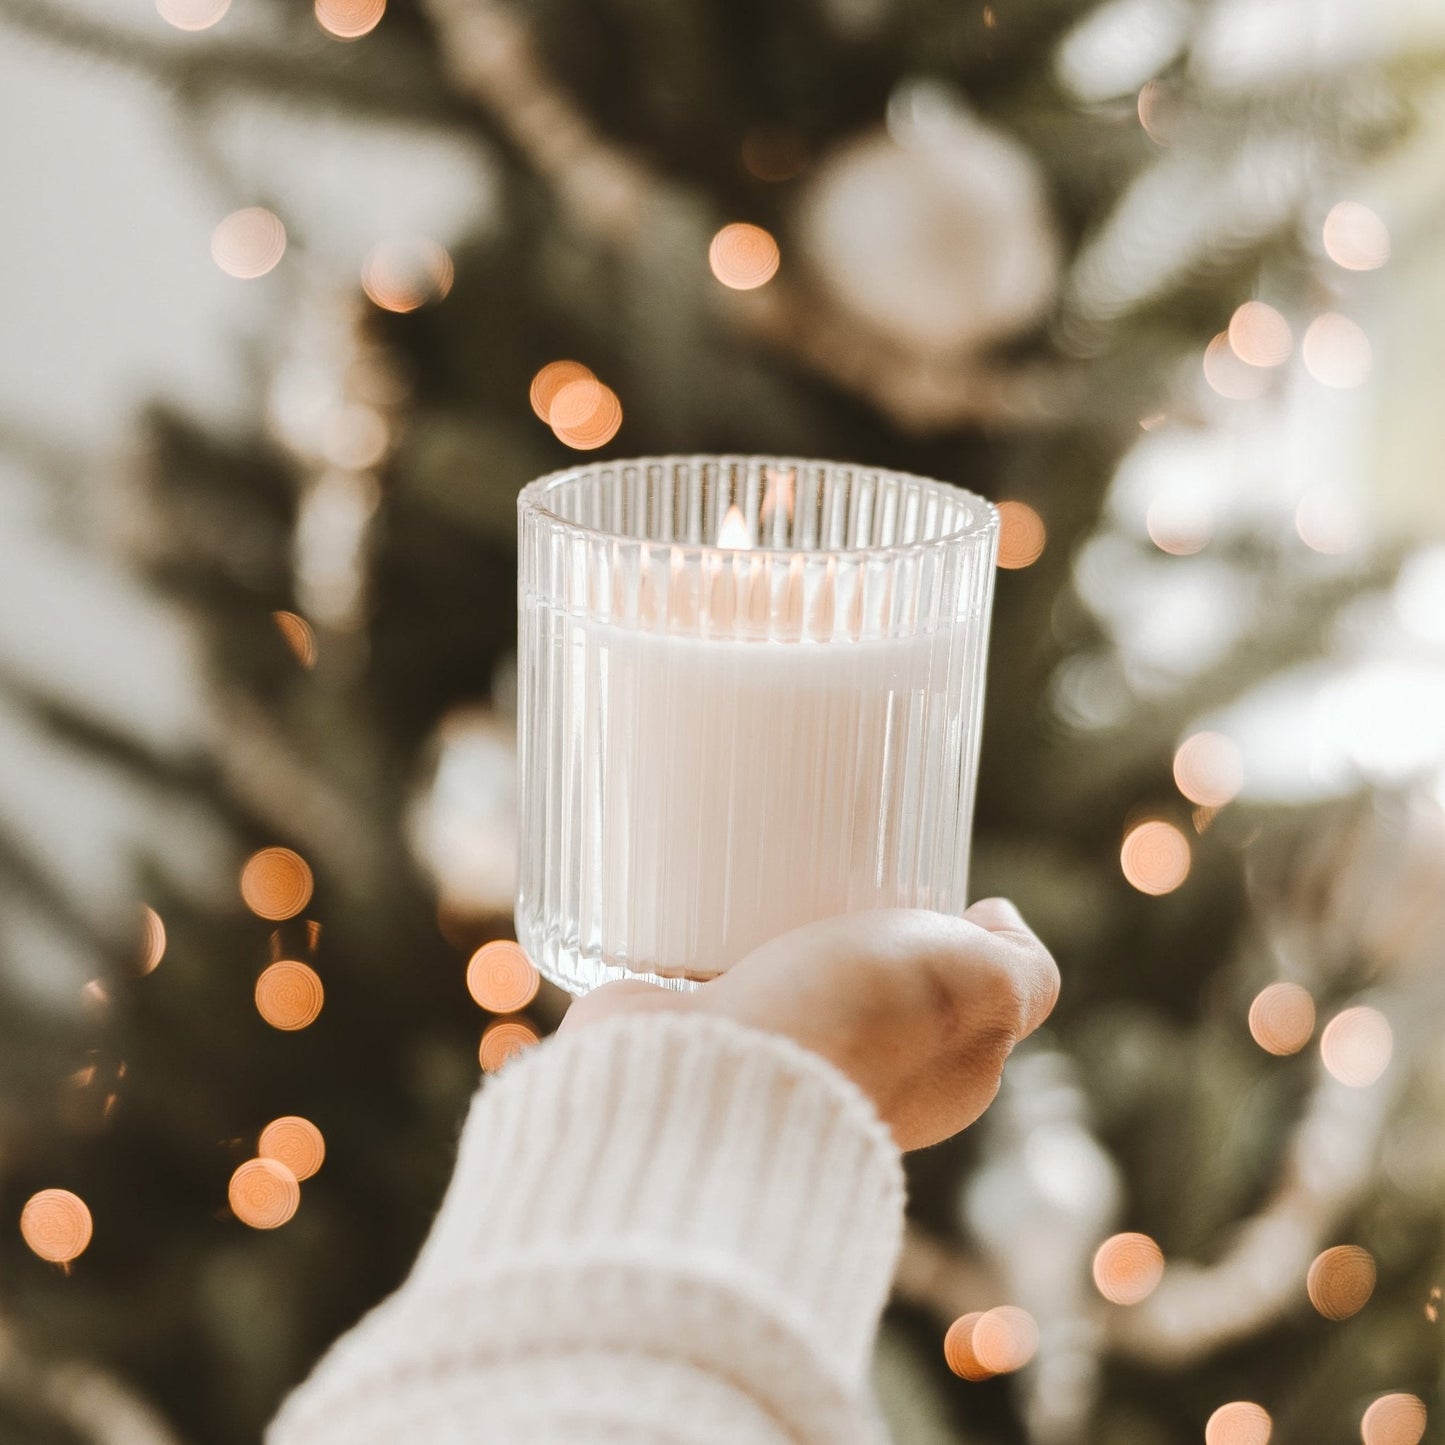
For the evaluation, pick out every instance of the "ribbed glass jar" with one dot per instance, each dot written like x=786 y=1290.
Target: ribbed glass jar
x=750 y=692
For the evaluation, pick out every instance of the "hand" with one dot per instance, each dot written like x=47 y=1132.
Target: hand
x=920 y=1009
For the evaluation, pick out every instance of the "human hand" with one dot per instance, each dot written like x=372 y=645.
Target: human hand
x=919 y=1009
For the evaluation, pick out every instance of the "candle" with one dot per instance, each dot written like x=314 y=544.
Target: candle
x=727 y=741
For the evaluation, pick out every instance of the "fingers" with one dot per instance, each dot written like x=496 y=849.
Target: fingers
x=1034 y=972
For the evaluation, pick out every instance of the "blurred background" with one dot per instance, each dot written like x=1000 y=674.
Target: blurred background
x=285 y=288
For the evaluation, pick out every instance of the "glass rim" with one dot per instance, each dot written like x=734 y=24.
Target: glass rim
x=983 y=516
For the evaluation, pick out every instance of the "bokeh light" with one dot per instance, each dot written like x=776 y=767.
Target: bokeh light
x=1179 y=525
x=1155 y=857
x=263 y=1193
x=249 y=243
x=1327 y=521
x=1336 y=351
x=56 y=1224
x=1356 y=1046
x=295 y=1142
x=1355 y=237
x=501 y=977
x=355 y=437
x=550 y=380
x=503 y=1040
x=298 y=635
x=1128 y=1268
x=1341 y=1281
x=585 y=414
x=1228 y=375
x=958 y=1349
x=289 y=995
x=1005 y=1339
x=1241 y=1422
x=1209 y=769
x=1282 y=1018
x=1259 y=335
x=349 y=19
x=153 y=939
x=192 y=14
x=1022 y=535
x=743 y=256
x=276 y=883
x=1397 y=1419
x=405 y=274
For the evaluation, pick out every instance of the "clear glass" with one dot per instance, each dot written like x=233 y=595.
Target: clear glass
x=750 y=692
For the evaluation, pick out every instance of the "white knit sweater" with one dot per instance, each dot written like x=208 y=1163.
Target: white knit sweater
x=662 y=1228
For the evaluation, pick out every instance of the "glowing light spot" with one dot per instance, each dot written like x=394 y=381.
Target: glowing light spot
x=289 y=995
x=1005 y=1339
x=1356 y=1046
x=743 y=256
x=264 y=1193
x=1355 y=237
x=1209 y=769
x=1432 y=1305
x=1149 y=108
x=1228 y=375
x=1022 y=535
x=774 y=155
x=298 y=636
x=1155 y=857
x=1179 y=525
x=349 y=19
x=958 y=1349
x=1341 y=1281
x=1259 y=335
x=1241 y=1422
x=56 y=1224
x=192 y=14
x=249 y=243
x=402 y=275
x=153 y=939
x=500 y=977
x=295 y=1142
x=550 y=380
x=1327 y=521
x=1394 y=1420
x=1128 y=1268
x=503 y=1040
x=276 y=883
x=95 y=996
x=733 y=534
x=1282 y=1018
x=585 y=414
x=1336 y=351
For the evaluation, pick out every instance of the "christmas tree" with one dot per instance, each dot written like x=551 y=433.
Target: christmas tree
x=1086 y=260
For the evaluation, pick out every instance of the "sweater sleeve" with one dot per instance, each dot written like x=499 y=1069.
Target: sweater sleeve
x=661 y=1228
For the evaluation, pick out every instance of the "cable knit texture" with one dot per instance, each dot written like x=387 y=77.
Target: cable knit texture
x=661 y=1228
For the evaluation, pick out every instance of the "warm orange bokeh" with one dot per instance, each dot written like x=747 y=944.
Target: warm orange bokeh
x=1209 y=769
x=264 y=1193
x=743 y=256
x=1397 y=1419
x=296 y=1142
x=289 y=995
x=192 y=14
x=349 y=19
x=1341 y=1281
x=276 y=883
x=1005 y=1339
x=1259 y=335
x=1021 y=535
x=1356 y=1046
x=958 y=1349
x=249 y=243
x=153 y=939
x=503 y=1040
x=56 y=1224
x=585 y=414
x=1155 y=857
x=1282 y=1018
x=402 y=275
x=1128 y=1268
x=1228 y=375
x=1241 y=1422
x=1355 y=237
x=550 y=380
x=500 y=977
x=298 y=635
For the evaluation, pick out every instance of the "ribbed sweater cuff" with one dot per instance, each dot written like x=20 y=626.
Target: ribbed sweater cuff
x=711 y=1147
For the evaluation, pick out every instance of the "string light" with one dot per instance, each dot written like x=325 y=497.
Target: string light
x=1282 y=1018
x=1155 y=857
x=1355 y=237
x=264 y=1193
x=1341 y=1280
x=1259 y=335
x=349 y=19
x=503 y=1040
x=403 y=275
x=298 y=636
x=585 y=414
x=1398 y=1419
x=295 y=1142
x=276 y=883
x=192 y=14
x=1022 y=535
x=1336 y=351
x=249 y=243
x=1209 y=769
x=958 y=1349
x=289 y=995
x=501 y=978
x=1128 y=1268
x=1356 y=1046
x=56 y=1225
x=550 y=380
x=1005 y=1339
x=1241 y=1422
x=153 y=939
x=743 y=256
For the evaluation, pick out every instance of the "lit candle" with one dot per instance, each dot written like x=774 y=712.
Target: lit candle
x=746 y=739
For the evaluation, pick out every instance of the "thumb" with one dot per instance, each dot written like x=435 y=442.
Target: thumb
x=627 y=995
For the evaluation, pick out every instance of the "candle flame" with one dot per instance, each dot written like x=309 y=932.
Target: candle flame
x=734 y=531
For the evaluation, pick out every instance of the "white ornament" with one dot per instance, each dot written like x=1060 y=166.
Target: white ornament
x=934 y=233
